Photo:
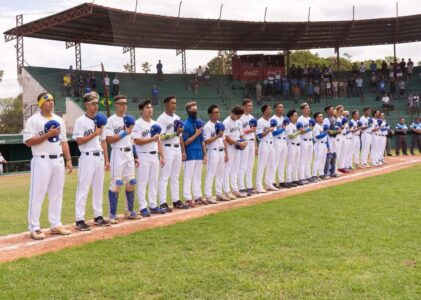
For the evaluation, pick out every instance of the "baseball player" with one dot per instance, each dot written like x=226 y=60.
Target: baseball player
x=333 y=130
x=366 y=136
x=375 y=143
x=265 y=128
x=195 y=156
x=247 y=155
x=45 y=133
x=355 y=128
x=235 y=144
x=384 y=129
x=293 y=144
x=344 y=163
x=123 y=160
x=401 y=131
x=306 y=144
x=90 y=137
x=171 y=135
x=416 y=135
x=320 y=147
x=2 y=162
x=146 y=136
x=279 y=147
x=217 y=155
x=340 y=139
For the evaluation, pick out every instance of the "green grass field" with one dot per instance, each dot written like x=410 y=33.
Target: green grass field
x=360 y=240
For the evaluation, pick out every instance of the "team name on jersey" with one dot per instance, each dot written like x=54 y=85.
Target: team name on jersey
x=88 y=132
x=118 y=129
x=41 y=133
x=169 y=126
x=235 y=129
x=145 y=133
x=245 y=124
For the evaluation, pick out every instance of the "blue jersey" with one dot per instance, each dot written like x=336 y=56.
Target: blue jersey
x=194 y=150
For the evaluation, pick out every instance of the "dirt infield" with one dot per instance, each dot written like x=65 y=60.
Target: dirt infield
x=16 y=246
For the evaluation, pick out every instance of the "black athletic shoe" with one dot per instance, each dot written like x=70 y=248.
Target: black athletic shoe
x=288 y=185
x=100 y=221
x=282 y=185
x=82 y=226
x=165 y=207
x=300 y=182
x=180 y=205
x=249 y=192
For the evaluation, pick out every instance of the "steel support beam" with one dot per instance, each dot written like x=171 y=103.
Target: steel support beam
x=19 y=46
x=183 y=60
x=132 y=51
x=78 y=56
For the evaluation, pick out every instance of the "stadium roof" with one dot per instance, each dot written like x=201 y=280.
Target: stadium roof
x=95 y=24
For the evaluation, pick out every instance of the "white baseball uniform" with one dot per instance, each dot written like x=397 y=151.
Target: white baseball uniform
x=375 y=143
x=340 y=141
x=279 y=152
x=320 y=150
x=148 y=170
x=234 y=131
x=265 y=154
x=90 y=168
x=306 y=149
x=47 y=171
x=173 y=159
x=345 y=162
x=247 y=155
x=355 y=145
x=293 y=157
x=215 y=160
x=1 y=165
x=366 y=138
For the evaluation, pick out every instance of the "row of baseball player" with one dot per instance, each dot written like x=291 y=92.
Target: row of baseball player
x=291 y=150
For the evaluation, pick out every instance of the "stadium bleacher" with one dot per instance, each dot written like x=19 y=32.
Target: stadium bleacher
x=222 y=91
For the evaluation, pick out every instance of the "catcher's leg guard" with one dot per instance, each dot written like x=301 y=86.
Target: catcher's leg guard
x=130 y=200
x=113 y=199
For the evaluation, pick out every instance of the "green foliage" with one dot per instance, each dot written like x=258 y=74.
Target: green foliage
x=222 y=64
x=146 y=67
x=11 y=115
x=1 y=75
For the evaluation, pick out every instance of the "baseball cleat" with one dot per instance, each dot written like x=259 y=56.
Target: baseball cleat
x=199 y=201
x=157 y=211
x=131 y=215
x=100 y=221
x=37 y=235
x=222 y=197
x=165 y=207
x=190 y=203
x=82 y=226
x=211 y=200
x=238 y=194
x=271 y=188
x=230 y=196
x=145 y=213
x=260 y=191
x=60 y=230
x=180 y=205
x=114 y=220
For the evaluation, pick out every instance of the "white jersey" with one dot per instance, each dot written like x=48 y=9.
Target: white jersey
x=280 y=121
x=209 y=132
x=167 y=124
x=142 y=130
x=115 y=125
x=35 y=127
x=245 y=119
x=364 y=120
x=233 y=128
x=85 y=126
x=262 y=125
x=291 y=129
x=305 y=121
x=318 y=129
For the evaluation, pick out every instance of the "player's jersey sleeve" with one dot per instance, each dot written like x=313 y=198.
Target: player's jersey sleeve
x=137 y=131
x=30 y=130
x=78 y=129
x=63 y=131
x=260 y=127
x=207 y=133
x=109 y=131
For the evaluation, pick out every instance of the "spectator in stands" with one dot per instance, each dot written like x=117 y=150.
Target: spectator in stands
x=159 y=71
x=416 y=104
x=199 y=73
x=410 y=104
x=401 y=85
x=402 y=64
x=317 y=93
x=373 y=67
x=381 y=87
x=409 y=69
x=71 y=73
x=88 y=82
x=286 y=87
x=335 y=89
x=392 y=87
x=354 y=70
x=317 y=73
x=154 y=95
x=116 y=86
x=106 y=85
x=373 y=81
x=81 y=84
x=328 y=89
x=93 y=81
x=384 y=68
x=342 y=88
x=361 y=69
x=206 y=76
x=310 y=92
x=196 y=84
x=359 y=83
x=2 y=163
x=305 y=72
x=259 y=93
x=350 y=89
x=386 y=102
x=67 y=82
x=296 y=91
x=269 y=87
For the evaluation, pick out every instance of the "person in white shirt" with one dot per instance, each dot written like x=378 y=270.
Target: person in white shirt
x=340 y=139
x=293 y=144
x=279 y=147
x=2 y=162
x=235 y=144
x=123 y=159
x=376 y=139
x=146 y=136
x=265 y=158
x=93 y=161
x=306 y=144
x=320 y=147
x=217 y=155
x=45 y=133
x=107 y=84
x=171 y=136
x=116 y=85
x=366 y=136
x=345 y=163
x=245 y=182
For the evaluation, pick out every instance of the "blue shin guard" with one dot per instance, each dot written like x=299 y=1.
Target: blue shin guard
x=130 y=200
x=113 y=198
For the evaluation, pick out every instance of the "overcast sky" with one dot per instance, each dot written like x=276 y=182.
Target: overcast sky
x=53 y=54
